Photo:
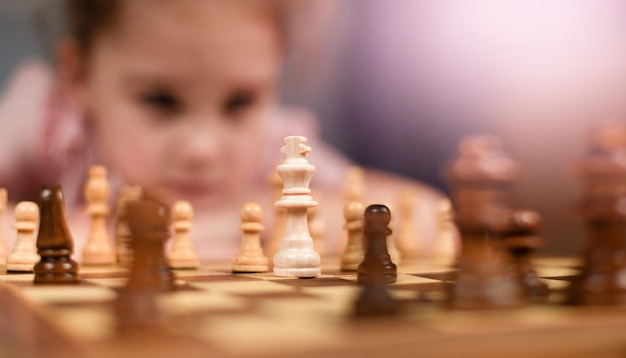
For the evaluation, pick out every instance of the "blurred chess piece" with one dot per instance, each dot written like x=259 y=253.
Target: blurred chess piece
x=182 y=254
x=3 y=207
x=481 y=176
x=280 y=216
x=24 y=256
x=407 y=237
x=250 y=257
x=353 y=253
x=353 y=191
x=445 y=248
x=317 y=227
x=122 y=232
x=392 y=242
x=98 y=250
x=603 y=174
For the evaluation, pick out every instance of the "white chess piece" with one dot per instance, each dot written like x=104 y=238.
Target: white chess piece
x=446 y=245
x=250 y=257
x=182 y=255
x=24 y=255
x=296 y=257
x=280 y=216
x=122 y=231
x=353 y=191
x=354 y=252
x=99 y=249
x=3 y=207
x=407 y=237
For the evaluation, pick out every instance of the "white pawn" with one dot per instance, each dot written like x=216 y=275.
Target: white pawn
x=446 y=245
x=3 y=207
x=24 y=255
x=296 y=257
x=182 y=255
x=99 y=249
x=407 y=236
x=353 y=254
x=250 y=257
x=280 y=216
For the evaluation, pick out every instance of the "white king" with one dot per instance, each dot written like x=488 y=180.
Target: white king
x=296 y=257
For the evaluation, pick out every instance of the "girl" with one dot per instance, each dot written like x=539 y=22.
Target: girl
x=179 y=97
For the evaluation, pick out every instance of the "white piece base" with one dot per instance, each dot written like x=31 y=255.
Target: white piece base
x=297 y=272
x=99 y=259
x=21 y=267
x=184 y=264
x=251 y=268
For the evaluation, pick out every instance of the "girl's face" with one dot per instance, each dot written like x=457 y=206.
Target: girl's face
x=177 y=91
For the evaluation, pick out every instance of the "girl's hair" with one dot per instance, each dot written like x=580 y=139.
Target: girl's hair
x=85 y=19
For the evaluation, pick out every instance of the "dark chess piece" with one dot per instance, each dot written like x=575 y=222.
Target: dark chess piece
x=481 y=177
x=376 y=270
x=150 y=275
x=520 y=239
x=54 y=242
x=603 y=173
x=376 y=261
x=149 y=227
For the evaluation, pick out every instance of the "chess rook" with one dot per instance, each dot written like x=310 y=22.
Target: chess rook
x=377 y=266
x=98 y=250
x=24 y=256
x=408 y=239
x=250 y=257
x=54 y=242
x=296 y=257
x=182 y=254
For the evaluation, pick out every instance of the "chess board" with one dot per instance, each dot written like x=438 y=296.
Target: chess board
x=216 y=313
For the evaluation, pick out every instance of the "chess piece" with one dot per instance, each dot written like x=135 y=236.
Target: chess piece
x=377 y=264
x=24 y=256
x=149 y=228
x=54 y=242
x=136 y=307
x=182 y=254
x=98 y=250
x=392 y=248
x=407 y=234
x=603 y=171
x=353 y=253
x=520 y=238
x=317 y=228
x=445 y=246
x=354 y=185
x=481 y=176
x=250 y=257
x=3 y=207
x=353 y=191
x=280 y=216
x=296 y=257
x=122 y=232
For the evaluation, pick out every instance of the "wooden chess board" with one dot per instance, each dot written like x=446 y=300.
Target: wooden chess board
x=216 y=313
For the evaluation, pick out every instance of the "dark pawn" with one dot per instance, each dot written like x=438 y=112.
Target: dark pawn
x=376 y=265
x=54 y=242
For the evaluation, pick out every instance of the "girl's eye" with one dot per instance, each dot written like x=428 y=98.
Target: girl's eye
x=239 y=101
x=162 y=101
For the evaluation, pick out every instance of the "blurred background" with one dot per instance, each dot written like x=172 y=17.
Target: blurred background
x=397 y=83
